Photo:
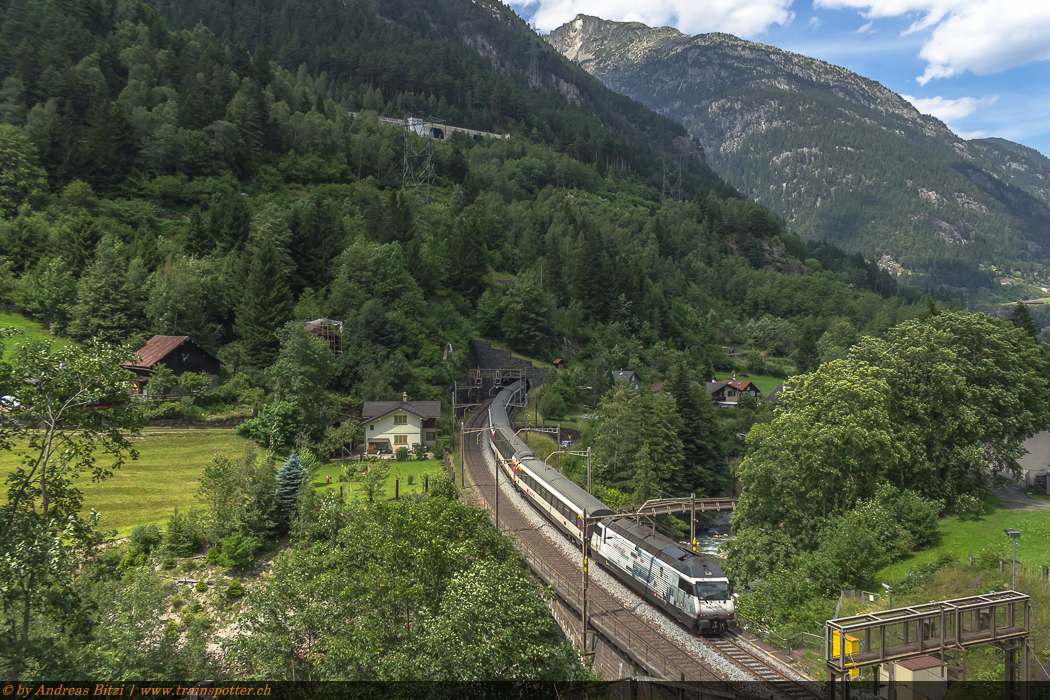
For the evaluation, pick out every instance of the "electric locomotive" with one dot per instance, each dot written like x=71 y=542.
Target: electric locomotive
x=689 y=587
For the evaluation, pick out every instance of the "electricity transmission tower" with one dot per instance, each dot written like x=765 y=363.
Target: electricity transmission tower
x=418 y=173
x=673 y=166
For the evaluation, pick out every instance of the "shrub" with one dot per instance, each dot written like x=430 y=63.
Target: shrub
x=921 y=575
x=177 y=602
x=166 y=410
x=234 y=551
x=168 y=563
x=235 y=589
x=195 y=606
x=402 y=454
x=201 y=586
x=183 y=536
x=968 y=507
x=277 y=425
x=146 y=538
x=552 y=405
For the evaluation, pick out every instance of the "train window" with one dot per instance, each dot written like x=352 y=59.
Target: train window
x=712 y=590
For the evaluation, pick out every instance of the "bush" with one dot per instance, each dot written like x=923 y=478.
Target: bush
x=552 y=405
x=201 y=586
x=165 y=410
x=235 y=589
x=277 y=425
x=968 y=507
x=921 y=575
x=402 y=454
x=183 y=537
x=168 y=563
x=146 y=538
x=234 y=551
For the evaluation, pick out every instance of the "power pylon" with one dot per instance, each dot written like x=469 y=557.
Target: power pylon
x=673 y=166
x=418 y=173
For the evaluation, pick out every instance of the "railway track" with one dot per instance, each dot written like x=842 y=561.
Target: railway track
x=629 y=631
x=798 y=690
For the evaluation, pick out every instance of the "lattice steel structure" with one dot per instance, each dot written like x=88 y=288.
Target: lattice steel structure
x=942 y=629
x=673 y=167
x=418 y=173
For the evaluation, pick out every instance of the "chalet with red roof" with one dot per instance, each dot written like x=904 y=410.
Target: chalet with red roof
x=179 y=353
x=726 y=392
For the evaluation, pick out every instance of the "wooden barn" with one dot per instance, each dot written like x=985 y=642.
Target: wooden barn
x=179 y=353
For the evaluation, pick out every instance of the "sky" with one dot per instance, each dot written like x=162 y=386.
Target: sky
x=980 y=66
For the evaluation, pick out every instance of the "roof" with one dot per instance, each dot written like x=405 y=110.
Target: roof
x=656 y=387
x=738 y=384
x=774 y=396
x=158 y=347
x=624 y=376
x=920 y=662
x=374 y=410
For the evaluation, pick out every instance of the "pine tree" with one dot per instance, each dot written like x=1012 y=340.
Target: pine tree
x=291 y=478
x=266 y=305
x=105 y=304
x=1022 y=318
x=703 y=449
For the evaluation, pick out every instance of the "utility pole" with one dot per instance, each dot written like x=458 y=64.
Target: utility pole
x=559 y=448
x=495 y=479
x=692 y=520
x=584 y=546
x=588 y=470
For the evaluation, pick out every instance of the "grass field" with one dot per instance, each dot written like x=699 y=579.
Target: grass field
x=960 y=538
x=402 y=470
x=165 y=476
x=33 y=331
x=765 y=384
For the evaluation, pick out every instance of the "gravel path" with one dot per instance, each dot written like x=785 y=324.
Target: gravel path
x=695 y=645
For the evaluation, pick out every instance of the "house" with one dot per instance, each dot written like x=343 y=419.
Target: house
x=393 y=424
x=559 y=363
x=627 y=377
x=656 y=387
x=726 y=392
x=774 y=396
x=179 y=353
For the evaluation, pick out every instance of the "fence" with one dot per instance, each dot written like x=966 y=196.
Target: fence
x=784 y=644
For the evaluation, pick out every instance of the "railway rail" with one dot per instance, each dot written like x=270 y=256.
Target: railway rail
x=726 y=644
x=627 y=630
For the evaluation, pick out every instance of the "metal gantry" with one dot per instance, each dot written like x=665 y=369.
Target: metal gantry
x=942 y=629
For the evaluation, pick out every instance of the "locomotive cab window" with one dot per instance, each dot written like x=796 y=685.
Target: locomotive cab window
x=712 y=590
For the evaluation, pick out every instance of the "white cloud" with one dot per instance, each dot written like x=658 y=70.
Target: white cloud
x=865 y=28
x=814 y=22
x=745 y=18
x=949 y=111
x=981 y=36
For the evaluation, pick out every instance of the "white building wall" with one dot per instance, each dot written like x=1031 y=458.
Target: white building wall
x=386 y=428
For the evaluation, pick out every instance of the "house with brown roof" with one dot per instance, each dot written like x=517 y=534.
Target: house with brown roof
x=179 y=353
x=392 y=424
x=726 y=392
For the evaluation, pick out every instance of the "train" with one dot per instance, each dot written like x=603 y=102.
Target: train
x=687 y=586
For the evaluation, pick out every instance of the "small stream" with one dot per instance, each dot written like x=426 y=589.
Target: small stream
x=710 y=540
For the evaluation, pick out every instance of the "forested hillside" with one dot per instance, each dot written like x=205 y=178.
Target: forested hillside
x=839 y=157
x=166 y=181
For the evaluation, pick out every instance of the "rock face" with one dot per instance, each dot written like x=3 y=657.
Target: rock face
x=838 y=156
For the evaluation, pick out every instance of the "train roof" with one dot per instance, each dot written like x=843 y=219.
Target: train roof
x=666 y=550
x=554 y=479
x=567 y=488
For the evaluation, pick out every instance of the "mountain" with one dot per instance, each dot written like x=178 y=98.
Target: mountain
x=839 y=157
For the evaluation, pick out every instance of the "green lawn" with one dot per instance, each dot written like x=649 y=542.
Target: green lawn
x=165 y=476
x=963 y=537
x=402 y=470
x=765 y=383
x=33 y=331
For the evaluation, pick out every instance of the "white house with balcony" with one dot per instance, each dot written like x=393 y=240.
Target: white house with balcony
x=392 y=424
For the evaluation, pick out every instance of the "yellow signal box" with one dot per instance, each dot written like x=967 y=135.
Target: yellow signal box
x=852 y=647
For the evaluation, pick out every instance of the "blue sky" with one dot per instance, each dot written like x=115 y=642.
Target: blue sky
x=981 y=66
